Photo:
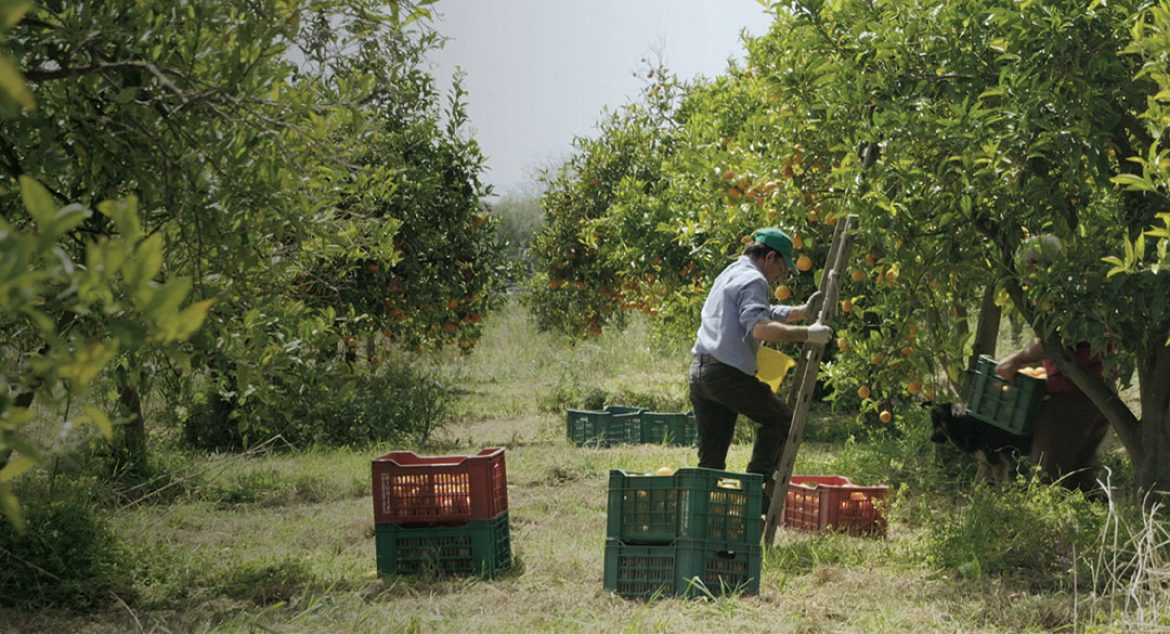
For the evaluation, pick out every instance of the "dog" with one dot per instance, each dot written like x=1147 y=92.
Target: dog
x=995 y=449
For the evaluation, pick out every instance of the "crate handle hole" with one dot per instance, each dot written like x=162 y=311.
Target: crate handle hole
x=729 y=483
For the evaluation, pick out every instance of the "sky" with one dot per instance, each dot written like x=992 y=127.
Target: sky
x=539 y=72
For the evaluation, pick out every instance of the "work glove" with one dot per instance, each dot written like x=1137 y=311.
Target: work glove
x=819 y=334
x=806 y=308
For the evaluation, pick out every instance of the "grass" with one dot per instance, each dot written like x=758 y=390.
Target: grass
x=283 y=541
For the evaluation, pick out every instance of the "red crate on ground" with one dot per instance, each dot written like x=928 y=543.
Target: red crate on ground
x=420 y=490
x=818 y=502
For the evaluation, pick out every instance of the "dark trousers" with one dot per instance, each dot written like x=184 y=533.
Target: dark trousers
x=719 y=393
x=1066 y=439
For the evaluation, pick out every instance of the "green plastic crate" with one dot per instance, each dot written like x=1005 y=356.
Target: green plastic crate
x=693 y=503
x=685 y=568
x=671 y=429
x=480 y=547
x=1010 y=405
x=614 y=425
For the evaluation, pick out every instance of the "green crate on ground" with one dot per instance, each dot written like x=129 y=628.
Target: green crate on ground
x=481 y=547
x=687 y=567
x=614 y=425
x=671 y=429
x=1010 y=405
x=692 y=503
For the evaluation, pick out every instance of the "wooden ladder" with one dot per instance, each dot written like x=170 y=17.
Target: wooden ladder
x=806 y=374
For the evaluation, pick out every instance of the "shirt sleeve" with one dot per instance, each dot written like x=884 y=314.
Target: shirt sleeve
x=753 y=305
x=779 y=313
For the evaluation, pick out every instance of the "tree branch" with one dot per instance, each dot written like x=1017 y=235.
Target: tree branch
x=39 y=76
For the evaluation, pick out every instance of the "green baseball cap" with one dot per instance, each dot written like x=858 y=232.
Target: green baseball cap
x=777 y=241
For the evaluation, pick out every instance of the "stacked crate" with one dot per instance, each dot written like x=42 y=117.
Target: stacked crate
x=441 y=515
x=693 y=533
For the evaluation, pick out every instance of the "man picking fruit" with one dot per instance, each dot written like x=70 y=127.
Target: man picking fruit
x=736 y=317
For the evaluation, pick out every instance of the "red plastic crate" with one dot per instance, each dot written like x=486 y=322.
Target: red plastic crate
x=819 y=502
x=435 y=490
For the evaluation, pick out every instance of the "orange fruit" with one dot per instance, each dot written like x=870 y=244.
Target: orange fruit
x=842 y=344
x=878 y=358
x=863 y=391
x=907 y=351
x=885 y=416
x=914 y=387
x=797 y=241
x=847 y=306
x=804 y=263
x=857 y=275
x=783 y=292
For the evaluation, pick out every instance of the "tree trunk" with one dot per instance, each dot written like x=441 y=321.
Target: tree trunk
x=987 y=331
x=130 y=438
x=1153 y=470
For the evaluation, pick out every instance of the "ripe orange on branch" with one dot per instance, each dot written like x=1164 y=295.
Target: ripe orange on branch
x=804 y=263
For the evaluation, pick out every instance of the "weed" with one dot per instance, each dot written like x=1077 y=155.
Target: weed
x=68 y=557
x=1032 y=533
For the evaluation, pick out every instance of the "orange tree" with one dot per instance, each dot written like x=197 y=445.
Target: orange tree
x=989 y=135
x=583 y=279
x=292 y=195
x=954 y=131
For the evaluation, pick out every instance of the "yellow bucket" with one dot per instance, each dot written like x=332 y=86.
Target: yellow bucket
x=773 y=366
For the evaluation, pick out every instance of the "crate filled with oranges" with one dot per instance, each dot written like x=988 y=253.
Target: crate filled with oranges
x=683 y=532
x=816 y=503
x=441 y=514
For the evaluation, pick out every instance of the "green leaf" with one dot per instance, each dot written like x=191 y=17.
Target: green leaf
x=187 y=322
x=101 y=421
x=13 y=87
x=38 y=201
x=68 y=217
x=124 y=213
x=11 y=12
x=146 y=262
x=11 y=507
x=87 y=363
x=1132 y=181
x=165 y=300
x=15 y=467
x=126 y=95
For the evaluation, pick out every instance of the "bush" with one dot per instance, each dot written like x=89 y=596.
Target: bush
x=395 y=402
x=68 y=557
x=1035 y=533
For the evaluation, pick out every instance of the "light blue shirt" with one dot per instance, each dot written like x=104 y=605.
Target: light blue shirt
x=739 y=299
